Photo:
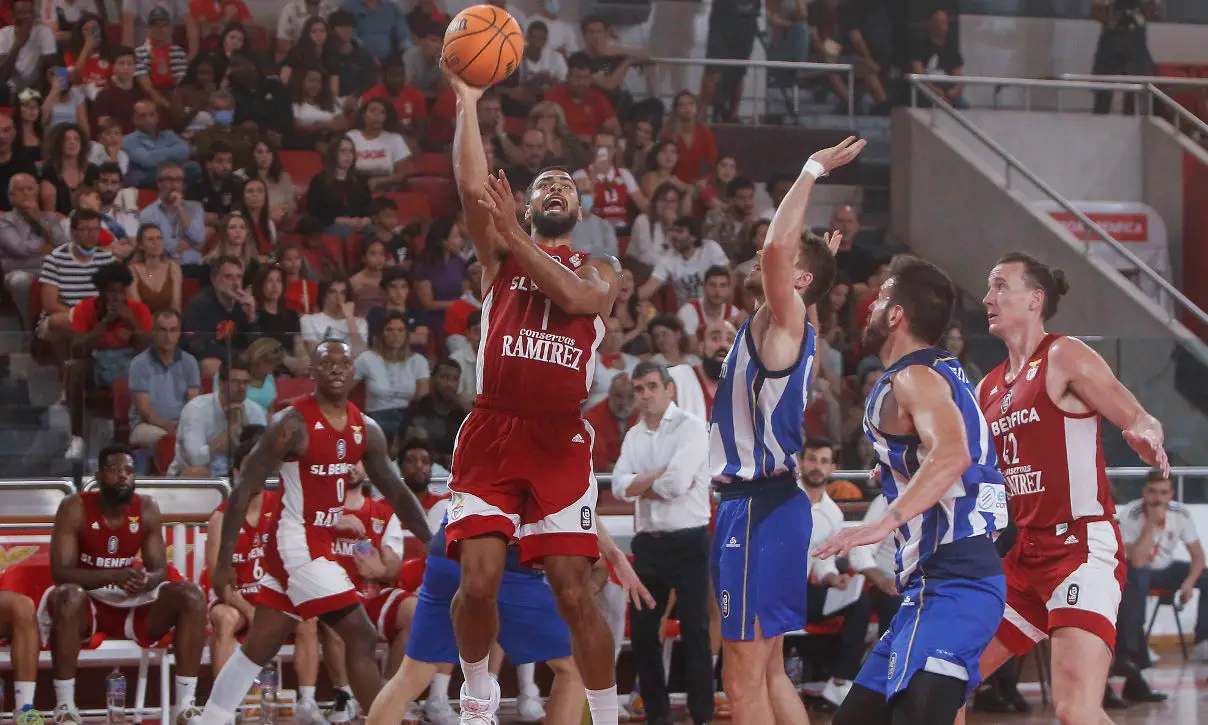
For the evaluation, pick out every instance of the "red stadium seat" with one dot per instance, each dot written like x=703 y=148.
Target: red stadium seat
x=357 y=396
x=189 y=287
x=113 y=33
x=1167 y=598
x=411 y=205
x=290 y=389
x=302 y=166
x=146 y=197
x=121 y=410
x=165 y=451
x=6 y=110
x=257 y=38
x=830 y=626
x=441 y=193
x=514 y=125
x=434 y=163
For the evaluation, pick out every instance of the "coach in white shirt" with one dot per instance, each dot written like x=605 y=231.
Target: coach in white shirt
x=664 y=469
x=1152 y=529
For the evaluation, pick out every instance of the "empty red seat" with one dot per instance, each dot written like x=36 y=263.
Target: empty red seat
x=121 y=409
x=441 y=193
x=290 y=389
x=146 y=197
x=433 y=163
x=165 y=451
x=302 y=166
x=411 y=205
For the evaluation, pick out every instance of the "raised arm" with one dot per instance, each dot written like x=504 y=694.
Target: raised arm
x=65 y=551
x=589 y=290
x=377 y=466
x=471 y=172
x=1088 y=375
x=924 y=397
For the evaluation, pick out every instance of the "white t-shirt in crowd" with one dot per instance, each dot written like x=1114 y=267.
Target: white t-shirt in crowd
x=97 y=155
x=390 y=385
x=1178 y=528
x=321 y=326
x=306 y=114
x=563 y=37
x=377 y=157
x=688 y=275
x=551 y=62
x=41 y=42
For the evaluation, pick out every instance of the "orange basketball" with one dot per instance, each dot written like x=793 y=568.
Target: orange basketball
x=483 y=45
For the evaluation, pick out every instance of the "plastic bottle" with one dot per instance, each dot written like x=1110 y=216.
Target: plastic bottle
x=794 y=667
x=115 y=697
x=364 y=550
x=268 y=694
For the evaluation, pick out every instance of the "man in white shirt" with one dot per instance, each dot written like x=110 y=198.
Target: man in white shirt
x=1152 y=528
x=541 y=67
x=466 y=357
x=610 y=362
x=27 y=48
x=563 y=37
x=816 y=463
x=663 y=469
x=715 y=303
x=211 y=424
x=684 y=268
x=695 y=385
x=336 y=319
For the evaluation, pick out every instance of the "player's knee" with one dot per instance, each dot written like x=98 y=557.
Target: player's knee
x=575 y=601
x=17 y=609
x=189 y=597
x=226 y=620
x=68 y=600
x=563 y=666
x=307 y=629
x=479 y=585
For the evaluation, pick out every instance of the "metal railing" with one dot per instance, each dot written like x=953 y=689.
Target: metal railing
x=1153 y=87
x=1027 y=84
x=753 y=89
x=921 y=84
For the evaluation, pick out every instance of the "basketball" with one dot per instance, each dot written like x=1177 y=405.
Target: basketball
x=483 y=45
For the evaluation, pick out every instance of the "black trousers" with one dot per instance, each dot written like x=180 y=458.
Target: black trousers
x=885 y=607
x=676 y=560
x=1130 y=622
x=856 y=617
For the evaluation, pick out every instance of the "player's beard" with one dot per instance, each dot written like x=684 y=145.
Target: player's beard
x=117 y=495
x=549 y=225
x=876 y=333
x=753 y=283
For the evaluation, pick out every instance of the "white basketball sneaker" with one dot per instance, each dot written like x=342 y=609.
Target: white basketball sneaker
x=480 y=712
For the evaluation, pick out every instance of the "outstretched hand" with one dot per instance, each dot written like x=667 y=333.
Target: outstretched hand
x=635 y=591
x=1150 y=446
x=466 y=92
x=499 y=202
x=835 y=156
x=833 y=240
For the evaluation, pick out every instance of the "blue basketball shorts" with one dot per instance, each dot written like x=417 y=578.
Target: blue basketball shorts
x=530 y=627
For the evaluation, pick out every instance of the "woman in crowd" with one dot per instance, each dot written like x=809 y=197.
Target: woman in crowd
x=88 y=56
x=310 y=52
x=62 y=107
x=696 y=144
x=639 y=145
x=954 y=342
x=672 y=346
x=108 y=147
x=317 y=111
x=394 y=374
x=365 y=287
x=157 y=277
x=301 y=289
x=562 y=148
x=660 y=169
x=381 y=150
x=266 y=166
x=264 y=356
x=712 y=194
x=633 y=314
x=340 y=197
x=254 y=207
x=276 y=320
x=28 y=140
x=234 y=40
x=649 y=240
x=440 y=272
x=190 y=99
x=64 y=163
x=234 y=241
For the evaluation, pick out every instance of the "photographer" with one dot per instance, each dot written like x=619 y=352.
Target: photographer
x=1123 y=48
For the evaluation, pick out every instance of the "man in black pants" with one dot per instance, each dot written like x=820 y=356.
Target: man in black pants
x=663 y=469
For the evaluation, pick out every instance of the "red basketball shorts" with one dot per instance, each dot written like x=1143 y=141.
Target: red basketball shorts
x=528 y=479
x=382 y=609
x=1068 y=576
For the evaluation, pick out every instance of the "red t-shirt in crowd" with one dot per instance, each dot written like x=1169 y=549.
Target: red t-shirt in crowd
x=443 y=120
x=118 y=104
x=409 y=104
x=584 y=117
x=209 y=11
x=300 y=292
x=697 y=160
x=458 y=315
x=85 y=316
x=94 y=72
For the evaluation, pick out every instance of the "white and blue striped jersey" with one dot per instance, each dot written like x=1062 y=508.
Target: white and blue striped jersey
x=755 y=430
x=974 y=505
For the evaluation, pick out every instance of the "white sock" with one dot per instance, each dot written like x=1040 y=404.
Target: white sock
x=346 y=689
x=439 y=689
x=185 y=689
x=525 y=675
x=23 y=694
x=306 y=692
x=604 y=705
x=230 y=686
x=65 y=693
x=478 y=678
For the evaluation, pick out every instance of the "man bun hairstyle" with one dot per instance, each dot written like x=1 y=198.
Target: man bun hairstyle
x=1050 y=280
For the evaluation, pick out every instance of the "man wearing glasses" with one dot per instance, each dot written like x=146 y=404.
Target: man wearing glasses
x=211 y=424
x=182 y=222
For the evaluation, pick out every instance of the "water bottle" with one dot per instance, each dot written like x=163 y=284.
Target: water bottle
x=115 y=697
x=364 y=550
x=268 y=694
x=794 y=667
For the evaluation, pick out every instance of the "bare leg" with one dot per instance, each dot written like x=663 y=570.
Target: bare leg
x=995 y=654
x=360 y=642
x=18 y=621
x=69 y=628
x=398 y=646
x=591 y=641
x=744 y=676
x=306 y=653
x=786 y=702
x=397 y=695
x=333 y=656
x=1080 y=664
x=566 y=694
x=226 y=622
x=270 y=628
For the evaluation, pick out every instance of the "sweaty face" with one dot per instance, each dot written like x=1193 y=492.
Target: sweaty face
x=333 y=369
x=554 y=204
x=817 y=464
x=1010 y=301
x=116 y=479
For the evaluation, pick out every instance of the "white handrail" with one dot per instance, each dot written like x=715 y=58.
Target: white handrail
x=919 y=85
x=947 y=80
x=1179 y=110
x=1150 y=80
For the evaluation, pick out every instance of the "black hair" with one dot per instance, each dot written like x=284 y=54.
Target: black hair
x=218 y=147
x=580 y=60
x=1050 y=280
x=927 y=296
x=474 y=318
x=122 y=51
x=737 y=184
x=390 y=274
x=85 y=215
x=717 y=270
x=113 y=449
x=341 y=19
x=325 y=286
x=218 y=262
x=590 y=19
x=95 y=173
x=647 y=367
x=381 y=204
x=816 y=257
x=445 y=362
x=110 y=274
x=813 y=443
x=691 y=224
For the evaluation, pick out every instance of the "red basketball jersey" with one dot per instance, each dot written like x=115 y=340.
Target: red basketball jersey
x=104 y=547
x=1051 y=460
x=374 y=515
x=611 y=195
x=535 y=358
x=312 y=489
x=249 y=547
